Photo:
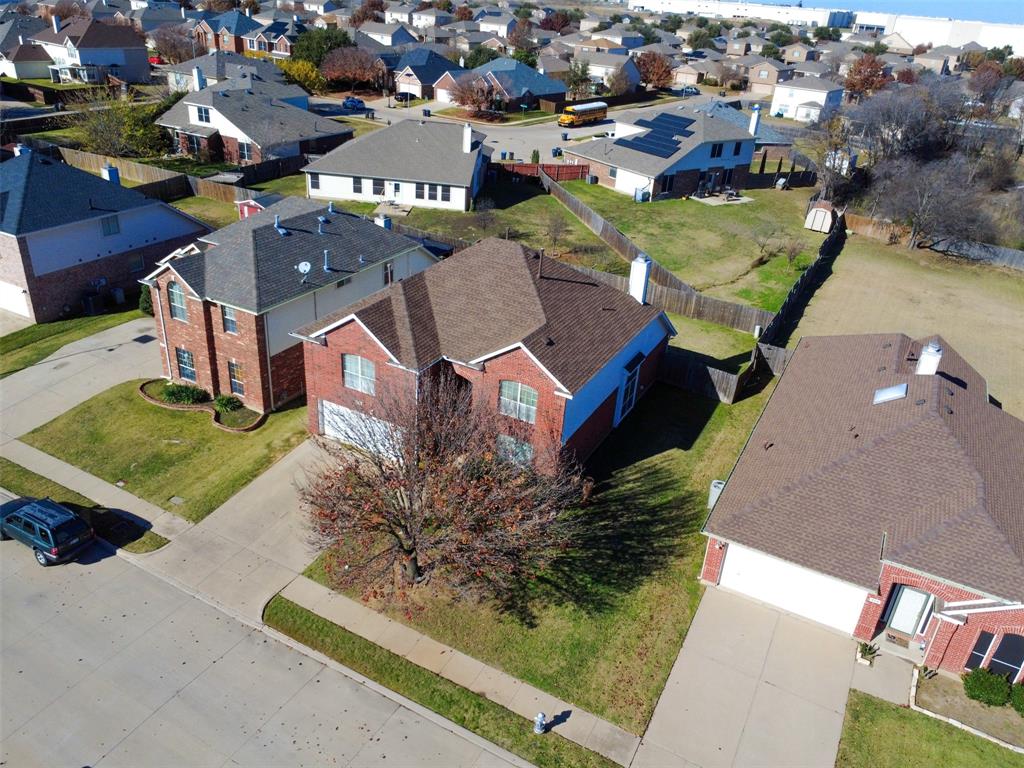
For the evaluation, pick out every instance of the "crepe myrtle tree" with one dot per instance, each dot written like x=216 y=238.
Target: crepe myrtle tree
x=444 y=489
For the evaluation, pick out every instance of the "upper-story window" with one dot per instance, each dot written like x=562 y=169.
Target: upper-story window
x=518 y=401
x=389 y=272
x=359 y=373
x=176 y=301
x=111 y=226
x=203 y=114
x=244 y=151
x=230 y=319
x=737 y=147
x=716 y=150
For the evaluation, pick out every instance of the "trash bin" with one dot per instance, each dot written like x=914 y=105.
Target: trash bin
x=511 y=155
x=504 y=154
x=426 y=113
x=565 y=135
x=555 y=151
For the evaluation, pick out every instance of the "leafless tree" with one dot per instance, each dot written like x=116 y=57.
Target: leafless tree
x=619 y=83
x=484 y=214
x=473 y=93
x=439 y=492
x=176 y=44
x=794 y=247
x=556 y=228
x=828 y=144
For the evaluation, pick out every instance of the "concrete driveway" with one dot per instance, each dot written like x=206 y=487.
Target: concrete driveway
x=104 y=664
x=752 y=686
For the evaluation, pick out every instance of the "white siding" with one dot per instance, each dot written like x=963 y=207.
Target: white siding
x=218 y=121
x=14 y=299
x=793 y=588
x=340 y=188
x=629 y=182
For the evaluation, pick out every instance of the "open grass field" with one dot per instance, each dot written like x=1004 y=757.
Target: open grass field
x=159 y=453
x=603 y=626
x=877 y=734
x=713 y=247
x=730 y=349
x=213 y=213
x=978 y=309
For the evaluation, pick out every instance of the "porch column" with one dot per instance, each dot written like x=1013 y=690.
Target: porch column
x=869 y=616
x=937 y=646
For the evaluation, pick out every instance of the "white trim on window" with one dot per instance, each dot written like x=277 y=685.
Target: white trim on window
x=176 y=302
x=359 y=374
x=517 y=400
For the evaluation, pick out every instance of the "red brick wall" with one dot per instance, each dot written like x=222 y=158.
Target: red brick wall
x=714 y=557
x=231 y=152
x=288 y=374
x=209 y=146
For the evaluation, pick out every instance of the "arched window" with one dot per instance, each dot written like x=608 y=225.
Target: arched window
x=518 y=401
x=176 y=300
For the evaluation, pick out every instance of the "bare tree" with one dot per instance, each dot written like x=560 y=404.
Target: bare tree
x=352 y=65
x=441 y=491
x=556 y=228
x=473 y=93
x=829 y=144
x=176 y=44
x=484 y=214
x=794 y=247
x=619 y=83
x=768 y=247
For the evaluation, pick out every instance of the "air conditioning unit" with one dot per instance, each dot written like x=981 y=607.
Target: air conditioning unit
x=591 y=179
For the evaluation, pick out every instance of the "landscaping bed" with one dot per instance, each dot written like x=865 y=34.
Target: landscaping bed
x=228 y=412
x=160 y=454
x=602 y=628
x=877 y=734
x=116 y=529
x=945 y=696
x=463 y=707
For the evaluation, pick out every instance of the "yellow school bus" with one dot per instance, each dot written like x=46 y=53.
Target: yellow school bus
x=583 y=114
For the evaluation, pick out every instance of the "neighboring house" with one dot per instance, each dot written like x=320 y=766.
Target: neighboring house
x=66 y=234
x=897 y=44
x=806 y=98
x=511 y=82
x=25 y=62
x=880 y=495
x=17 y=29
x=226 y=305
x=675 y=153
x=507 y=321
x=552 y=67
x=398 y=14
x=501 y=26
x=696 y=72
x=814 y=68
x=763 y=76
x=623 y=35
x=590 y=21
x=225 y=32
x=275 y=38
x=604 y=65
x=84 y=50
x=418 y=70
x=430 y=17
x=218 y=66
x=757 y=44
x=388 y=34
x=739 y=46
x=150 y=18
x=423 y=164
x=764 y=135
x=239 y=126
x=936 y=60
x=585 y=48
x=798 y=52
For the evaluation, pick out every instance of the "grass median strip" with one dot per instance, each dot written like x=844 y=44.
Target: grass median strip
x=475 y=713
x=114 y=528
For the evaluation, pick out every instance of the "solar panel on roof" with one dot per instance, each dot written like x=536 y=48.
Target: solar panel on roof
x=661 y=138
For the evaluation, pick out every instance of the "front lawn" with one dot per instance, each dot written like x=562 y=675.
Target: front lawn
x=160 y=454
x=360 y=124
x=115 y=529
x=214 y=213
x=713 y=248
x=603 y=627
x=945 y=696
x=476 y=713
x=26 y=347
x=877 y=734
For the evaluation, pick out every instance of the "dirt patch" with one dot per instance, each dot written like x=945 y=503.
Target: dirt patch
x=945 y=696
x=977 y=308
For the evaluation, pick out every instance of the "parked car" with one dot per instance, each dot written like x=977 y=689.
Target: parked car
x=691 y=90
x=404 y=98
x=351 y=102
x=54 y=532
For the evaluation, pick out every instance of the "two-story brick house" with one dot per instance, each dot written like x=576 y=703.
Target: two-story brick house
x=562 y=358
x=225 y=32
x=226 y=304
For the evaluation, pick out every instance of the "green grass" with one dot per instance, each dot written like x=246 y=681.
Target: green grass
x=728 y=348
x=68 y=136
x=238 y=418
x=294 y=185
x=877 y=734
x=160 y=453
x=26 y=347
x=603 y=626
x=189 y=165
x=45 y=83
x=361 y=125
x=213 y=213
x=713 y=247
x=485 y=718
x=110 y=526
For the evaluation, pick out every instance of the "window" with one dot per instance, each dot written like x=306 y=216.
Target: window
x=29 y=527
x=613 y=172
x=244 y=151
x=737 y=148
x=630 y=385
x=203 y=114
x=980 y=650
x=389 y=273
x=518 y=401
x=250 y=44
x=514 y=450
x=44 y=535
x=235 y=376
x=359 y=373
x=378 y=186
x=727 y=177
x=357 y=186
x=176 y=300
x=446 y=193
x=186 y=364
x=716 y=150
x=1009 y=656
x=138 y=264
x=397 y=188
x=667 y=183
x=227 y=314
x=762 y=74
x=193 y=144
x=432 y=191
x=314 y=181
x=111 y=226
x=225 y=40
x=420 y=191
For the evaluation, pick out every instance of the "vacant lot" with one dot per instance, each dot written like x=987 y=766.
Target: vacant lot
x=713 y=248
x=158 y=454
x=603 y=627
x=877 y=734
x=978 y=309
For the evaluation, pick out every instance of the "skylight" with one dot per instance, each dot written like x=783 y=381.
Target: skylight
x=887 y=394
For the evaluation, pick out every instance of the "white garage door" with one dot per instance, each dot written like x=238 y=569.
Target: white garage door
x=14 y=299
x=359 y=429
x=793 y=588
x=443 y=95
x=415 y=89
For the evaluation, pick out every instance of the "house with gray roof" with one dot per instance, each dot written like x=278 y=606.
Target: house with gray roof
x=806 y=99
x=275 y=38
x=511 y=82
x=85 y=50
x=217 y=66
x=388 y=34
x=243 y=126
x=68 y=237
x=676 y=152
x=880 y=494
x=227 y=303
x=418 y=70
x=426 y=164
x=225 y=32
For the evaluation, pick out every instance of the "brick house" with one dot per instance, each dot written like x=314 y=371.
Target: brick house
x=217 y=67
x=765 y=74
x=880 y=495
x=676 y=152
x=275 y=38
x=245 y=126
x=227 y=303
x=565 y=359
x=68 y=237
x=225 y=32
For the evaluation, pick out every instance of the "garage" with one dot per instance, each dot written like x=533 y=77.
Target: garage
x=14 y=299
x=443 y=95
x=793 y=588
x=354 y=427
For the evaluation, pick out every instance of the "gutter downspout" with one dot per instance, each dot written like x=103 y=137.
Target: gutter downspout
x=270 y=375
x=163 y=327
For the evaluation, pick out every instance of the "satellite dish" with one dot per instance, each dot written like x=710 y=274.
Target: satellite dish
x=304 y=267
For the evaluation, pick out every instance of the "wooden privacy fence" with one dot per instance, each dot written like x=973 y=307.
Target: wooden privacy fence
x=457 y=243
x=692 y=371
x=555 y=171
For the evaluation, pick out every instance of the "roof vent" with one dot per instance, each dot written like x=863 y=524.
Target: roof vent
x=327 y=267
x=362 y=259
x=330 y=206
x=277 y=225
x=928 y=363
x=888 y=394
x=320 y=227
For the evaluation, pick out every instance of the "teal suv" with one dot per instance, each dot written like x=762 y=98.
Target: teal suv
x=54 y=532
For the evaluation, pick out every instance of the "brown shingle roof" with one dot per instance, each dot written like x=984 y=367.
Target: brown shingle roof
x=931 y=481
x=488 y=298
